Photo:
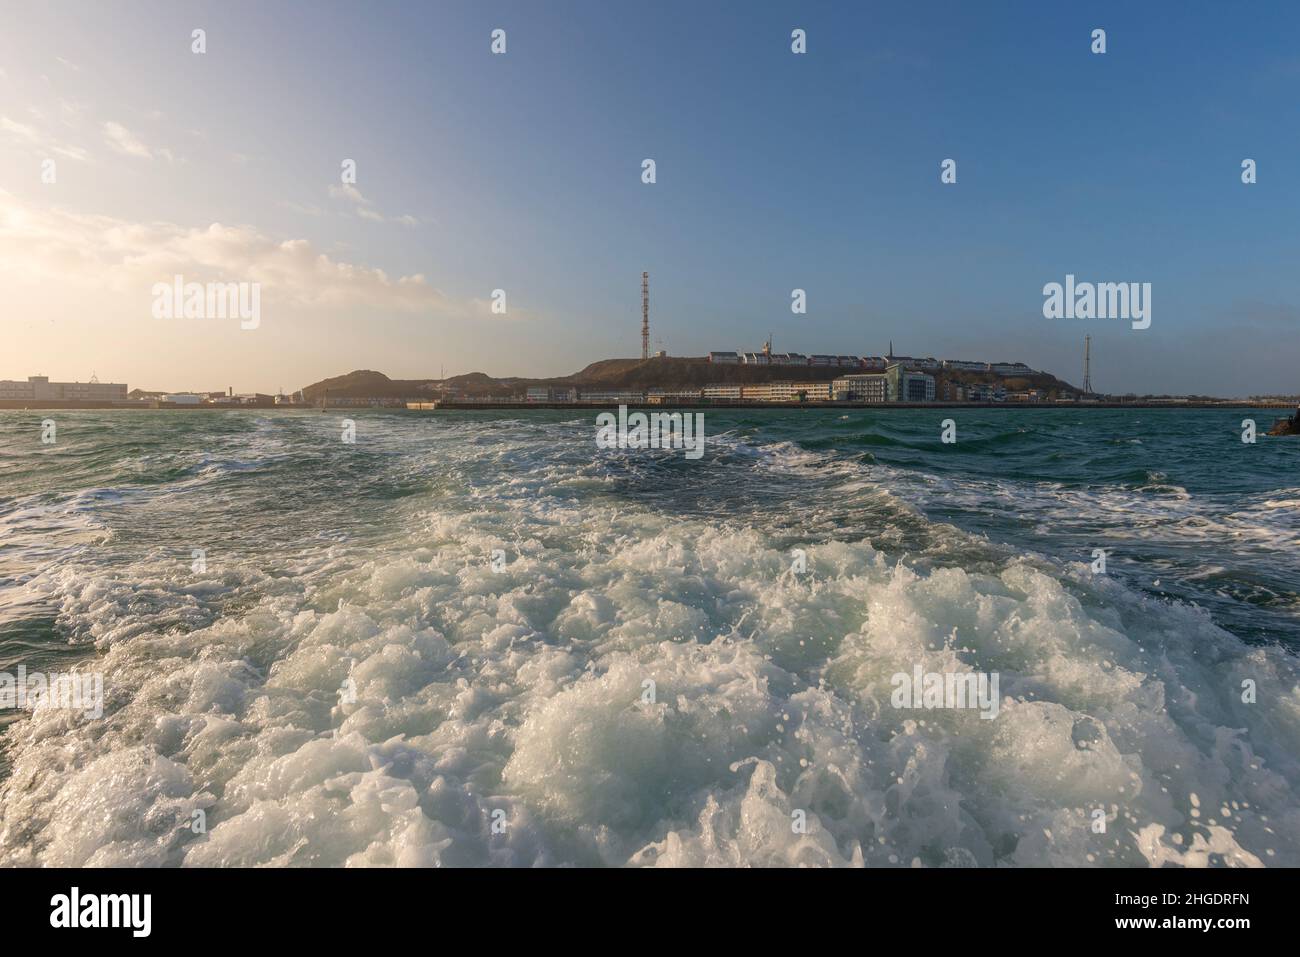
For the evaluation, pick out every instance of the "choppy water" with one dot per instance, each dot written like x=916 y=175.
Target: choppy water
x=517 y=696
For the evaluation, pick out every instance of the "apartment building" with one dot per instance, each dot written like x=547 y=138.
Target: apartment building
x=39 y=387
x=788 y=392
x=906 y=386
x=859 y=388
x=660 y=396
x=550 y=394
x=622 y=398
x=981 y=392
x=720 y=390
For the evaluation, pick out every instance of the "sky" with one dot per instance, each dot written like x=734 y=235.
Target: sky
x=522 y=172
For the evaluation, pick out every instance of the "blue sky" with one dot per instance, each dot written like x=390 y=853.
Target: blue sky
x=775 y=171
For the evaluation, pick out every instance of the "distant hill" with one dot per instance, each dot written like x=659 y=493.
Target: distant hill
x=365 y=382
x=669 y=372
x=1044 y=381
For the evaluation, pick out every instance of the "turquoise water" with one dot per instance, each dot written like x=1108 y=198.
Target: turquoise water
x=514 y=690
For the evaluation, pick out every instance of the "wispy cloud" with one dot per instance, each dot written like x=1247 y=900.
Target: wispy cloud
x=20 y=131
x=70 y=112
x=304 y=209
x=349 y=193
x=366 y=209
x=122 y=256
x=121 y=140
x=39 y=140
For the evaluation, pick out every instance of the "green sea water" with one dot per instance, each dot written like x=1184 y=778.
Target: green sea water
x=359 y=652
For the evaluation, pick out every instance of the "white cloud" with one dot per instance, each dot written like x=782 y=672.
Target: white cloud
x=305 y=210
x=366 y=209
x=124 y=141
x=94 y=251
x=350 y=193
x=39 y=141
x=71 y=152
x=18 y=130
x=70 y=112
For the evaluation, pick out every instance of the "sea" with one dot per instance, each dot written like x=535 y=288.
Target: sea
x=474 y=638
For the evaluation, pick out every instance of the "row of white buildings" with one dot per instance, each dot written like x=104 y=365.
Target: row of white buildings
x=228 y=398
x=930 y=364
x=768 y=358
x=39 y=388
x=896 y=384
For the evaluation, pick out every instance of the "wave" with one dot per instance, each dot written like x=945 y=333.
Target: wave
x=519 y=696
x=529 y=659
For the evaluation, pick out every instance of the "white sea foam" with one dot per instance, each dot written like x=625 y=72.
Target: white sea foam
x=519 y=697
